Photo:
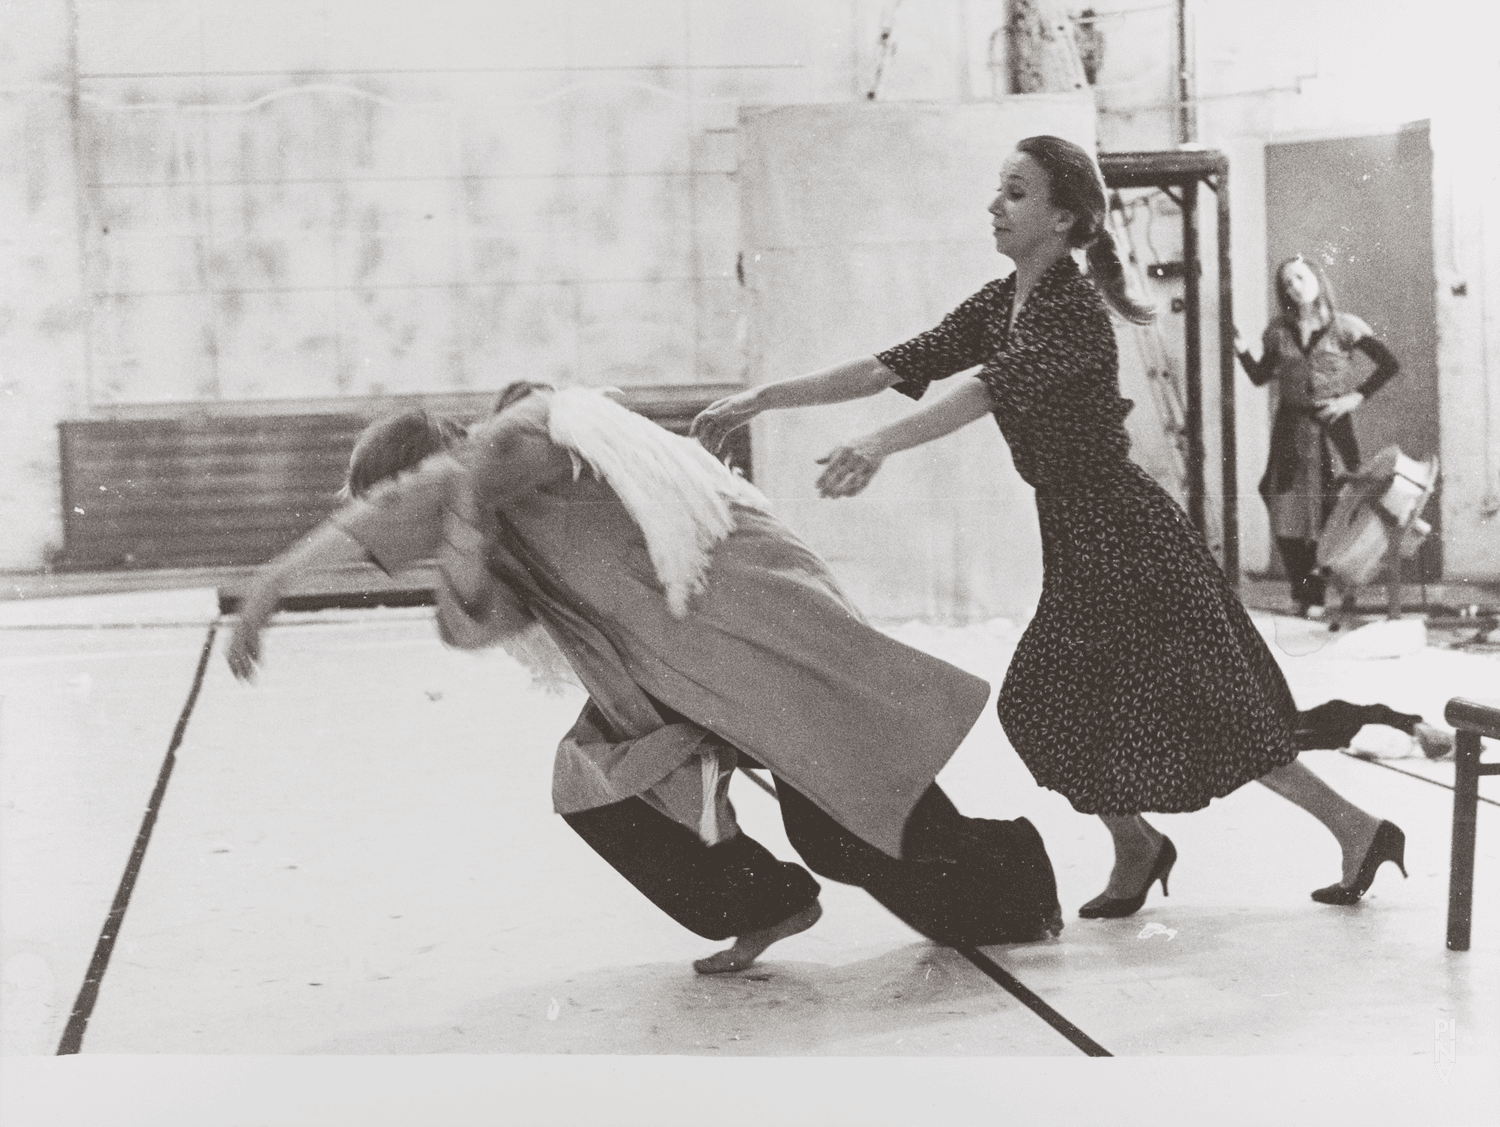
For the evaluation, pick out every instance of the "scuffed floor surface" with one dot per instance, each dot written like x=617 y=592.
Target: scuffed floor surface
x=356 y=855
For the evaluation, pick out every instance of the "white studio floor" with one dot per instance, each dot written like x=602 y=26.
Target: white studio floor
x=356 y=856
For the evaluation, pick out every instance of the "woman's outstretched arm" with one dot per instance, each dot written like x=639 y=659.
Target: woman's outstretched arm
x=851 y=379
x=851 y=466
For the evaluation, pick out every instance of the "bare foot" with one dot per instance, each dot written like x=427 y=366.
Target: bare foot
x=748 y=947
x=1054 y=925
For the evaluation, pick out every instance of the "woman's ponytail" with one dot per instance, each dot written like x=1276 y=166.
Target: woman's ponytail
x=1108 y=273
x=1075 y=184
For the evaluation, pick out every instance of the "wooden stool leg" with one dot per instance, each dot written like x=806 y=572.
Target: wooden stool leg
x=1465 y=818
x=1393 y=571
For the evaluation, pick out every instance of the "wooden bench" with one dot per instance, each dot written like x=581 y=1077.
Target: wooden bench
x=234 y=484
x=1474 y=722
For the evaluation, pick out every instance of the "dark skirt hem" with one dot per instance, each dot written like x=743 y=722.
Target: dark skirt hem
x=1186 y=805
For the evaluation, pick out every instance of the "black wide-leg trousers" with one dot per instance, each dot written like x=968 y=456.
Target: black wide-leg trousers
x=961 y=881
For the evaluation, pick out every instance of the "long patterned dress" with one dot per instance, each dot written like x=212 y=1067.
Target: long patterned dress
x=1141 y=683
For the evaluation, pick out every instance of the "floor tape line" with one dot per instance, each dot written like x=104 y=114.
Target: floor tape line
x=88 y=994
x=1007 y=981
x=1410 y=774
x=1034 y=1003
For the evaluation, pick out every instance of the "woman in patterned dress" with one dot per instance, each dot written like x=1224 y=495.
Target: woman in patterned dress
x=1308 y=352
x=1141 y=683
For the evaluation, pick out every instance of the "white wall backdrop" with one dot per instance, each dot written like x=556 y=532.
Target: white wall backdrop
x=864 y=225
x=206 y=201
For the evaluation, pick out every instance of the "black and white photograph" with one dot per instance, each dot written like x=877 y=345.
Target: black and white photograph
x=798 y=562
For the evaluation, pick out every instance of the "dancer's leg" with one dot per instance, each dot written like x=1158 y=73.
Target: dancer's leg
x=1334 y=724
x=752 y=944
x=1300 y=557
x=1137 y=844
x=963 y=881
x=731 y=889
x=1352 y=827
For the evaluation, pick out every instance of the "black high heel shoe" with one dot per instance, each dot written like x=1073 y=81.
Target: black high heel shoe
x=1389 y=845
x=1109 y=908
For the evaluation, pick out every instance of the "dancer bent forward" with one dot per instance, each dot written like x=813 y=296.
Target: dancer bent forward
x=567 y=528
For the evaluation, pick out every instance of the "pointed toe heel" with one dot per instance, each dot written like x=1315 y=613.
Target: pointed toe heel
x=1114 y=908
x=1389 y=844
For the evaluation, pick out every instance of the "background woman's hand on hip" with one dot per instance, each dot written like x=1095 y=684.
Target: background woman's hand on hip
x=1330 y=410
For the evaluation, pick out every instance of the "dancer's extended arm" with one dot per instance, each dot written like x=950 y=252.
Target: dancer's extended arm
x=851 y=466
x=325 y=547
x=851 y=379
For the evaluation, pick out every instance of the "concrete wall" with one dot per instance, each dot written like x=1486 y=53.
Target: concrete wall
x=1466 y=219
x=206 y=201
x=212 y=202
x=864 y=225
x=44 y=311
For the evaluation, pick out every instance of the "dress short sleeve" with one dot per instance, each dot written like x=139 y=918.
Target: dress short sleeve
x=954 y=345
x=401 y=522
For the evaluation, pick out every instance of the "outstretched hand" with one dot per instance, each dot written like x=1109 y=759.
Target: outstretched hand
x=848 y=469
x=256 y=610
x=716 y=422
x=244 y=647
x=325 y=547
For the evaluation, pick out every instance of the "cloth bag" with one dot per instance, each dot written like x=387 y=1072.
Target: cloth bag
x=1380 y=504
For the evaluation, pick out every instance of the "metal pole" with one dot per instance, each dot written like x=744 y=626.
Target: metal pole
x=1461 y=859
x=1194 y=353
x=1187 y=117
x=1228 y=451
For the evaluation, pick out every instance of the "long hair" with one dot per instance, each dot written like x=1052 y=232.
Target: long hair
x=389 y=446
x=1290 y=310
x=1075 y=184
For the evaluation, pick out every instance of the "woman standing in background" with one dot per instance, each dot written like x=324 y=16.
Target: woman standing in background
x=1308 y=352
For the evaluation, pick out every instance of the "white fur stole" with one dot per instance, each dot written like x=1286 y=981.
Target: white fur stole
x=679 y=494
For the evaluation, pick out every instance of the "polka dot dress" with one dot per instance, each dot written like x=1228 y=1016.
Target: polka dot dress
x=1141 y=684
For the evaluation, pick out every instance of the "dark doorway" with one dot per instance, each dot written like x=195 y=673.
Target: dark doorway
x=1361 y=207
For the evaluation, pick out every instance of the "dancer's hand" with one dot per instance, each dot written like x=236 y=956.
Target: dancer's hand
x=244 y=645
x=716 y=422
x=324 y=548
x=244 y=649
x=849 y=468
x=1337 y=407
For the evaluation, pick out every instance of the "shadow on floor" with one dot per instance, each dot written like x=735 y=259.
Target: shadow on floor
x=776 y=1008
